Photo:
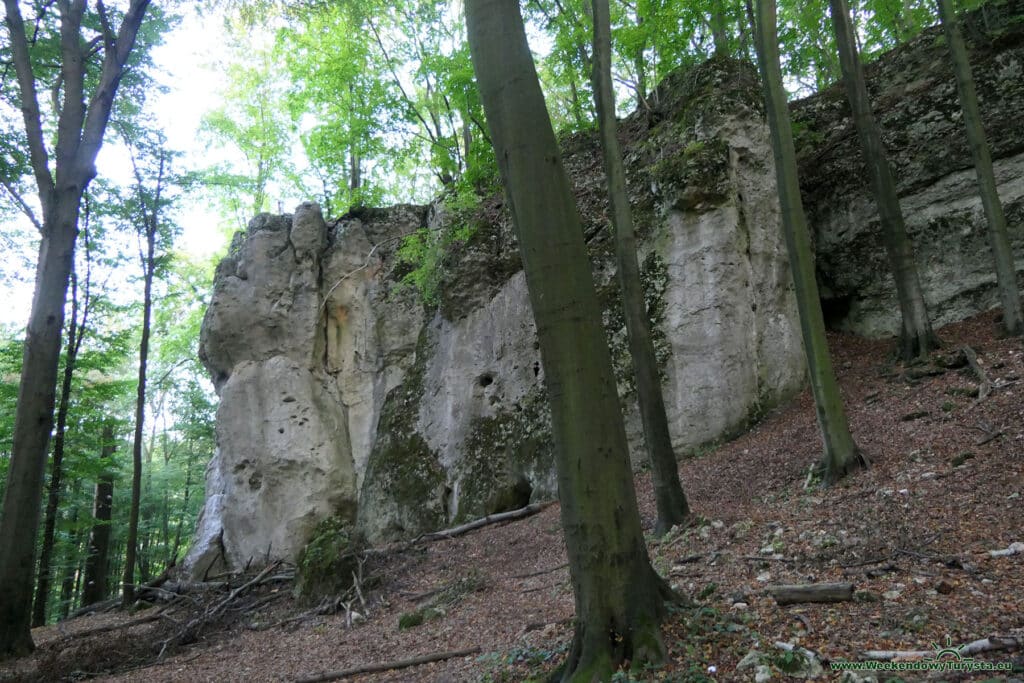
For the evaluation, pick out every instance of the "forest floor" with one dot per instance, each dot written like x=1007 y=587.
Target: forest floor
x=913 y=533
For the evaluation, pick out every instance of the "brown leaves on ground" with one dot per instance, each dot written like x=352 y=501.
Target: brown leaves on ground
x=913 y=533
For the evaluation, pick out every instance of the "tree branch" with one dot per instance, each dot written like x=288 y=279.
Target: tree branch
x=25 y=208
x=29 y=105
x=103 y=99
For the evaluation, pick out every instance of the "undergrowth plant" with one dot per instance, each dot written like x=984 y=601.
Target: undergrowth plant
x=423 y=251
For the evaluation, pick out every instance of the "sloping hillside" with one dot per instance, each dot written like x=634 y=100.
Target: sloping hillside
x=913 y=534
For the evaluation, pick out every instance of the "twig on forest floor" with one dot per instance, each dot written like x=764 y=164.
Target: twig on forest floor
x=769 y=558
x=192 y=629
x=388 y=666
x=984 y=383
x=149 y=618
x=446 y=534
x=541 y=572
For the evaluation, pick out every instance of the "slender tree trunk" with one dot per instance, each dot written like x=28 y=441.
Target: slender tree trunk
x=68 y=585
x=668 y=492
x=184 y=503
x=1002 y=254
x=56 y=463
x=841 y=454
x=916 y=336
x=128 y=583
x=619 y=597
x=32 y=424
x=80 y=128
x=719 y=28
x=640 y=66
x=98 y=559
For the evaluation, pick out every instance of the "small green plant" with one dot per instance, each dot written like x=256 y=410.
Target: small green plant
x=789 y=661
x=422 y=253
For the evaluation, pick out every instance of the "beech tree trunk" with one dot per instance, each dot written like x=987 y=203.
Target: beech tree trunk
x=719 y=28
x=79 y=135
x=916 y=336
x=668 y=492
x=69 y=582
x=149 y=218
x=841 y=454
x=98 y=557
x=56 y=463
x=619 y=597
x=1002 y=254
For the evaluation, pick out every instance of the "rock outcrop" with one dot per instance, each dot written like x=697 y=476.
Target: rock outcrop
x=343 y=394
x=915 y=100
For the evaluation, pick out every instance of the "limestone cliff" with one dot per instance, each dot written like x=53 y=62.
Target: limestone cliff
x=343 y=394
x=410 y=417
x=915 y=101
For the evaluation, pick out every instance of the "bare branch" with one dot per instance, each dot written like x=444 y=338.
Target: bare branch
x=29 y=104
x=25 y=208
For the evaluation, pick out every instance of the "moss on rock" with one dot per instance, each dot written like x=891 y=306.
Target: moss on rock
x=326 y=565
x=502 y=457
x=404 y=490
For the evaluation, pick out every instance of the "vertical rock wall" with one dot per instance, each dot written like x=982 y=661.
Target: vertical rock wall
x=342 y=394
x=915 y=101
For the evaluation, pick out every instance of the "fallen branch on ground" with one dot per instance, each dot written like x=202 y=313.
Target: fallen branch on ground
x=388 y=666
x=192 y=629
x=112 y=627
x=482 y=522
x=768 y=558
x=812 y=592
x=541 y=572
x=975 y=647
x=984 y=383
x=95 y=607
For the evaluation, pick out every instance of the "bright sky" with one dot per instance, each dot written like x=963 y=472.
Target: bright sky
x=187 y=58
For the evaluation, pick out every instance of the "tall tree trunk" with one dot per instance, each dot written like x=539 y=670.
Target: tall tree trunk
x=76 y=332
x=69 y=582
x=639 y=65
x=841 y=454
x=32 y=425
x=619 y=597
x=916 y=336
x=1002 y=254
x=668 y=492
x=148 y=265
x=720 y=28
x=184 y=502
x=80 y=128
x=57 y=462
x=98 y=559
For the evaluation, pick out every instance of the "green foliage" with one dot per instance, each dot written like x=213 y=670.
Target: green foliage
x=423 y=252
x=328 y=563
x=525 y=663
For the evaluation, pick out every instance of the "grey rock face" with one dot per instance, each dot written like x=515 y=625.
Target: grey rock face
x=342 y=394
x=915 y=100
